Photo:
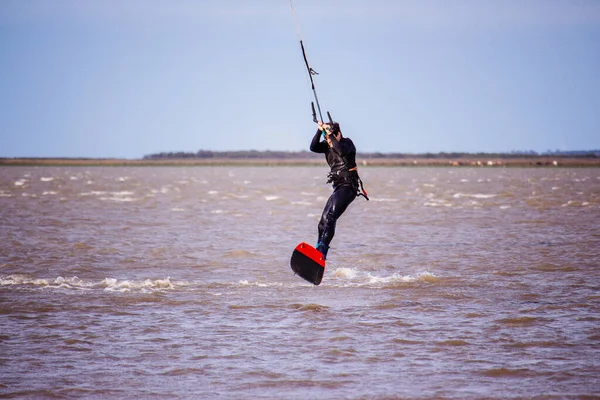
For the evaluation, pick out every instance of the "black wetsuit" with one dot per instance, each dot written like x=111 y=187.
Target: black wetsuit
x=342 y=161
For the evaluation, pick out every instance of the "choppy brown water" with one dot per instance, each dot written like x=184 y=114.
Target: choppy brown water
x=175 y=283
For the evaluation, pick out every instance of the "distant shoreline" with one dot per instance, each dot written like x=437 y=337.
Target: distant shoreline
x=417 y=161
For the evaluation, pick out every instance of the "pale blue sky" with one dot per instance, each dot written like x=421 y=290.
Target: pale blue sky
x=127 y=78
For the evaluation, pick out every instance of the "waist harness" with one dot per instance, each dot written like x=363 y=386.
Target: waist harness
x=348 y=176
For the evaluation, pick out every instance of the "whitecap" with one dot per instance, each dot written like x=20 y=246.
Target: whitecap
x=46 y=179
x=92 y=193
x=477 y=195
x=112 y=284
x=118 y=199
x=396 y=277
x=108 y=284
x=347 y=273
x=271 y=198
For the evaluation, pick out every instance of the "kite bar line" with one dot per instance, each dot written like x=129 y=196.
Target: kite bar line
x=311 y=71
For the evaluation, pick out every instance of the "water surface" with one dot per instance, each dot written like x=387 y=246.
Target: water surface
x=166 y=282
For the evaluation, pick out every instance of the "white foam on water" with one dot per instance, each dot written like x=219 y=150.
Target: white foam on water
x=437 y=203
x=46 y=179
x=271 y=198
x=20 y=182
x=347 y=273
x=355 y=276
x=112 y=285
x=93 y=193
x=75 y=283
x=121 y=196
x=50 y=192
x=302 y=203
x=399 y=278
x=477 y=195
x=162 y=190
x=430 y=204
x=575 y=203
x=212 y=192
x=245 y=282
x=118 y=199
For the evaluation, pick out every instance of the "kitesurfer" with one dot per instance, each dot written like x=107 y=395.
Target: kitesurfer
x=340 y=154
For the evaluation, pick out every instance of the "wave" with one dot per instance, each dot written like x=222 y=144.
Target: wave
x=353 y=276
x=118 y=196
x=477 y=195
x=75 y=283
x=339 y=277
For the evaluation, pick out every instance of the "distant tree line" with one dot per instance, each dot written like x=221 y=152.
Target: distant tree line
x=240 y=154
x=268 y=154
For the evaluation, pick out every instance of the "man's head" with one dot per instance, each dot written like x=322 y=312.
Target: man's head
x=333 y=129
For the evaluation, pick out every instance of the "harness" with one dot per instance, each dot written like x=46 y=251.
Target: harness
x=344 y=175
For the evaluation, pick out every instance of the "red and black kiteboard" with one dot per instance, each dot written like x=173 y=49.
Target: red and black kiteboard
x=308 y=263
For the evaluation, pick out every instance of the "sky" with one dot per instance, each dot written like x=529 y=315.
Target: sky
x=129 y=78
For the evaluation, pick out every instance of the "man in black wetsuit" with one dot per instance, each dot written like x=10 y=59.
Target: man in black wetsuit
x=340 y=154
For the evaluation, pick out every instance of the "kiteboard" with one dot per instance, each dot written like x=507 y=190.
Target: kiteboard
x=308 y=263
